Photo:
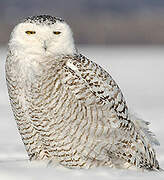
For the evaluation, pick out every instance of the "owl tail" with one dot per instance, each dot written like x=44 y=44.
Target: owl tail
x=149 y=138
x=142 y=126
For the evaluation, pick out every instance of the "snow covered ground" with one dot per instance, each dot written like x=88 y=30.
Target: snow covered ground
x=139 y=71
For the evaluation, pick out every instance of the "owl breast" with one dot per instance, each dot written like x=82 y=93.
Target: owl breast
x=67 y=120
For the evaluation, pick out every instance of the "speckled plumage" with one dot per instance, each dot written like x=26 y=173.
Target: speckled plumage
x=42 y=19
x=70 y=111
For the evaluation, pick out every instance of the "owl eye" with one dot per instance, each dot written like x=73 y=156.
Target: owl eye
x=30 y=32
x=56 y=32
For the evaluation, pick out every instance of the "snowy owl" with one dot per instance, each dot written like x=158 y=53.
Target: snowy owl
x=69 y=110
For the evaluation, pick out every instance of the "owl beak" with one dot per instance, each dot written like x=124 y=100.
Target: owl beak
x=45 y=45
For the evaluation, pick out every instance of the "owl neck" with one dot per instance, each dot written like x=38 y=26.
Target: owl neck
x=29 y=55
x=29 y=65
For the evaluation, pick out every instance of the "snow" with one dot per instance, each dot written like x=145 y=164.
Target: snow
x=139 y=71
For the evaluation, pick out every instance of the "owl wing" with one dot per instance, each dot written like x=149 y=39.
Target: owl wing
x=101 y=84
x=134 y=145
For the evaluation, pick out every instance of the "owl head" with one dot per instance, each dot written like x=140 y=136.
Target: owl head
x=42 y=35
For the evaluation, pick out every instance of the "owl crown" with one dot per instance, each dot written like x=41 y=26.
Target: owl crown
x=43 y=19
